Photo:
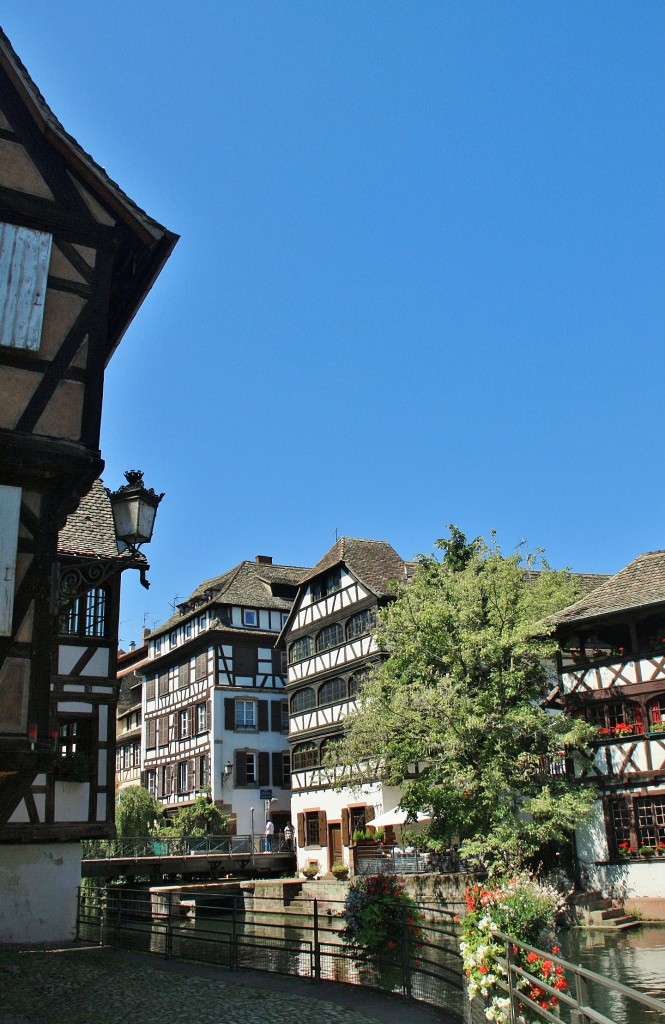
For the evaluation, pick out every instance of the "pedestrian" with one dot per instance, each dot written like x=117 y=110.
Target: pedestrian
x=268 y=833
x=288 y=835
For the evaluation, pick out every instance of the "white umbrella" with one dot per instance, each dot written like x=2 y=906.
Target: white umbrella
x=395 y=817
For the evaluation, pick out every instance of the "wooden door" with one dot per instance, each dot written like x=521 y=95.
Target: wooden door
x=334 y=844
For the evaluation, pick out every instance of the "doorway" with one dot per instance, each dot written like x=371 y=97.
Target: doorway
x=334 y=845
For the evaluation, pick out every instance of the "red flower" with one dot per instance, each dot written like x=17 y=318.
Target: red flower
x=532 y=958
x=483 y=969
x=515 y=950
x=547 y=967
x=556 y=950
x=416 y=963
x=561 y=984
x=558 y=970
x=456 y=919
x=391 y=944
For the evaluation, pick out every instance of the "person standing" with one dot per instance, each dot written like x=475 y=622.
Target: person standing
x=268 y=833
x=288 y=835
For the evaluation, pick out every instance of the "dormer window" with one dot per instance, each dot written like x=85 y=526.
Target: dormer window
x=249 y=617
x=326 y=585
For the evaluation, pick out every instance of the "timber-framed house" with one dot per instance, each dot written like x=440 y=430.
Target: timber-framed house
x=77 y=258
x=215 y=718
x=612 y=671
x=331 y=646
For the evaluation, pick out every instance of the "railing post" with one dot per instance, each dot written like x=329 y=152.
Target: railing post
x=233 y=952
x=578 y=1015
x=514 y=1009
x=169 y=930
x=317 y=945
x=406 y=960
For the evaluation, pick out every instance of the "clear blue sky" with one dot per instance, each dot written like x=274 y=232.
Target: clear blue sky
x=421 y=277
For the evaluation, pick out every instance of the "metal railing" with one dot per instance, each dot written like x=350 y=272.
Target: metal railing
x=156 y=846
x=392 y=860
x=302 y=938
x=584 y=986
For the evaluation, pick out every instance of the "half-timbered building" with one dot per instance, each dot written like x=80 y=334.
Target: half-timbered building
x=129 y=717
x=214 y=703
x=331 y=646
x=612 y=671
x=77 y=258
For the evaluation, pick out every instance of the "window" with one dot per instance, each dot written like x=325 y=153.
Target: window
x=286 y=770
x=650 y=814
x=151 y=733
x=326 y=585
x=301 y=649
x=656 y=711
x=183 y=777
x=151 y=782
x=85 y=615
x=201 y=718
x=284 y=711
x=615 y=718
x=361 y=624
x=203 y=773
x=164 y=684
x=249 y=617
x=25 y=255
x=136 y=754
x=202 y=622
x=174 y=639
x=330 y=636
x=357 y=816
x=201 y=665
x=74 y=737
x=163 y=730
x=150 y=689
x=651 y=633
x=285 y=616
x=158 y=646
x=188 y=631
x=184 y=724
x=183 y=675
x=118 y=759
x=312 y=828
x=251 y=769
x=305 y=755
x=357 y=681
x=245 y=715
x=303 y=700
x=332 y=690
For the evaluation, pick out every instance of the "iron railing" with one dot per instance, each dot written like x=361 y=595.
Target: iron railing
x=302 y=938
x=155 y=846
x=392 y=860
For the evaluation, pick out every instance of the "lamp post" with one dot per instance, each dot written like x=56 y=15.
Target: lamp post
x=251 y=812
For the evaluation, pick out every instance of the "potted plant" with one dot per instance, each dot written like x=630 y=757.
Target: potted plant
x=311 y=870
x=340 y=871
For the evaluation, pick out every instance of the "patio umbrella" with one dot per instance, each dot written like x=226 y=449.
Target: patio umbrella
x=395 y=817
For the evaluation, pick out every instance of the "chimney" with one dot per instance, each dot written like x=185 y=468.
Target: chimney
x=146 y=633
x=264 y=559
x=132 y=645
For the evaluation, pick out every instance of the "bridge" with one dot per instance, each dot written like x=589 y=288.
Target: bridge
x=208 y=857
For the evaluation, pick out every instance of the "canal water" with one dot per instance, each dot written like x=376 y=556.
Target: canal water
x=635 y=957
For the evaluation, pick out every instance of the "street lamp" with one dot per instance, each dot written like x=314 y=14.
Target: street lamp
x=134 y=507
x=226 y=771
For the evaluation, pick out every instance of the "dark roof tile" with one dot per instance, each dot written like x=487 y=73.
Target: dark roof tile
x=640 y=585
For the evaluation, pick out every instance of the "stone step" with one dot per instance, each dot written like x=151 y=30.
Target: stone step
x=597 y=905
x=619 y=924
x=585 y=897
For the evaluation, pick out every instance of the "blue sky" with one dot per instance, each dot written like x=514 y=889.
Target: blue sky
x=420 y=280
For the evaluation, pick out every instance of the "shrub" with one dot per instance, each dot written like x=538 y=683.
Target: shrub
x=311 y=870
x=340 y=870
x=382 y=923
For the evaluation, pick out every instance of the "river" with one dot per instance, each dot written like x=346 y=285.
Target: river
x=635 y=958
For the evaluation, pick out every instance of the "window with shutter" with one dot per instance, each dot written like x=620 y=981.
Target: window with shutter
x=240 y=759
x=164 y=684
x=286 y=770
x=151 y=732
x=201 y=718
x=276 y=716
x=301 y=829
x=229 y=713
x=208 y=715
x=245 y=661
x=163 y=730
x=264 y=769
x=312 y=835
x=25 y=255
x=345 y=826
x=278 y=664
x=251 y=768
x=150 y=689
x=183 y=675
x=245 y=715
x=202 y=665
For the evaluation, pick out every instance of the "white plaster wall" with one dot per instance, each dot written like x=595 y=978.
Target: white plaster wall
x=645 y=880
x=39 y=883
x=71 y=801
x=591 y=839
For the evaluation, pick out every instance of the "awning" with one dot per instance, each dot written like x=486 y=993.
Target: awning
x=396 y=817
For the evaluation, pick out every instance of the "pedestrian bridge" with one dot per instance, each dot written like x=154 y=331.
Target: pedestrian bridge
x=199 y=856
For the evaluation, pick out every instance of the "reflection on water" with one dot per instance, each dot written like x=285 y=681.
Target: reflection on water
x=635 y=958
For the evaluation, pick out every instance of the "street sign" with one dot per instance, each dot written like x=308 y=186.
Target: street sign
x=265 y=794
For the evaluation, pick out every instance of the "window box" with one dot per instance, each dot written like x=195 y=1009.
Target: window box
x=73 y=767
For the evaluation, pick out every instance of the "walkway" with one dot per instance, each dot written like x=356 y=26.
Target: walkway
x=99 y=985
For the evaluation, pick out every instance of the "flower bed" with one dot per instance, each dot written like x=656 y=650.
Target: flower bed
x=383 y=925
x=527 y=910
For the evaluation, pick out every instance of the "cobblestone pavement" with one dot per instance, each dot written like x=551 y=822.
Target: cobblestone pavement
x=93 y=985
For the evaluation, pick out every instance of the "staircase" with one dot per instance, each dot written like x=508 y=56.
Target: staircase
x=595 y=911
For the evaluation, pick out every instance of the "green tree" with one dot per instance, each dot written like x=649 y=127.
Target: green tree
x=135 y=812
x=199 y=819
x=459 y=697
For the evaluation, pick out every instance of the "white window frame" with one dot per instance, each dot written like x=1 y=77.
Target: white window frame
x=241 y=716
x=184 y=724
x=250 y=617
x=201 y=718
x=252 y=776
x=183 y=777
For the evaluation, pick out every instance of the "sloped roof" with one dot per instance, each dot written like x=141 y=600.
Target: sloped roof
x=157 y=240
x=90 y=530
x=248 y=584
x=374 y=562
x=639 y=585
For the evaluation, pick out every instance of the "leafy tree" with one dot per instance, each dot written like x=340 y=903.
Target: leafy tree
x=135 y=813
x=200 y=819
x=454 y=714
